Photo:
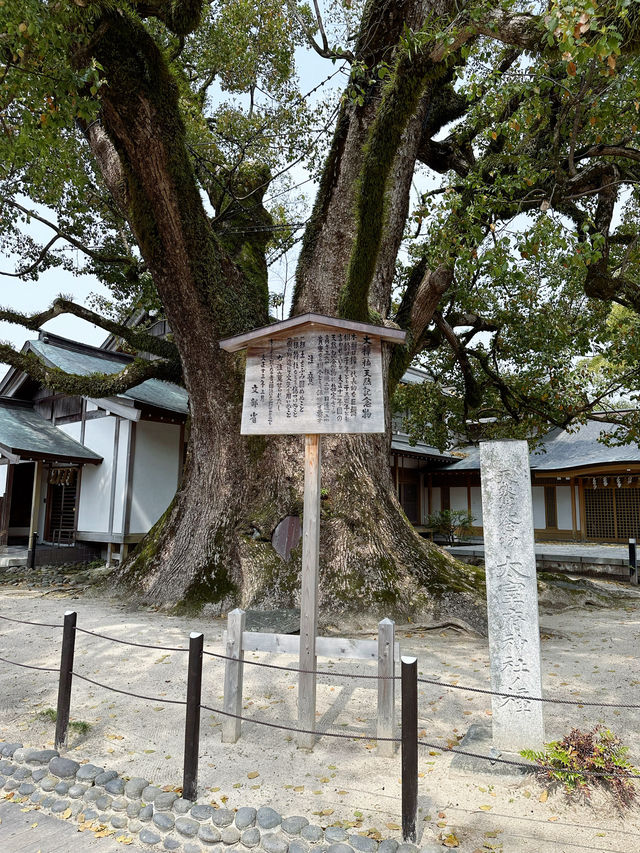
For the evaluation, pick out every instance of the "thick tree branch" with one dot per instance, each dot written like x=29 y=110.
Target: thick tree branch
x=140 y=341
x=101 y=257
x=472 y=391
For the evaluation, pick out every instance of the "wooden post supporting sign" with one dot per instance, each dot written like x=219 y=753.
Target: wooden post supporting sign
x=309 y=593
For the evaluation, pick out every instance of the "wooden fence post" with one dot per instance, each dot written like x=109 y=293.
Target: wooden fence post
x=633 y=562
x=409 y=747
x=192 y=721
x=66 y=675
x=233 y=672
x=386 y=685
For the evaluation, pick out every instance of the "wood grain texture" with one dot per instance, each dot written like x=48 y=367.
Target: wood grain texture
x=233 y=674
x=309 y=592
x=386 y=686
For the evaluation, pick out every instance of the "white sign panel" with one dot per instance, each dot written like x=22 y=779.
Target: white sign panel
x=320 y=380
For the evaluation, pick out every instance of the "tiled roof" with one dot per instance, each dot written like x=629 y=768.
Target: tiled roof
x=25 y=433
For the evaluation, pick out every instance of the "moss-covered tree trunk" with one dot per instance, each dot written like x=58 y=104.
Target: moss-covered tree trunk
x=214 y=541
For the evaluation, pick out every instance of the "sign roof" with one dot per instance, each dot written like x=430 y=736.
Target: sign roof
x=308 y=321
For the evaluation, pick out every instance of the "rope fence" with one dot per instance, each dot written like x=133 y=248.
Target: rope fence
x=193 y=704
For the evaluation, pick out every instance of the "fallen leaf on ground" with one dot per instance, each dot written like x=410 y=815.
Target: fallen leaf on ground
x=253 y=775
x=544 y=796
x=451 y=841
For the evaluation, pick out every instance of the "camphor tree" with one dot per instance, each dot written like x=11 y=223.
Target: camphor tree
x=111 y=133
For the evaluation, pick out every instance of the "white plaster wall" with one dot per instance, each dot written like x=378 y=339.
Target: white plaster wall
x=458 y=497
x=72 y=430
x=576 y=496
x=476 y=505
x=563 y=498
x=156 y=466
x=120 y=497
x=436 y=499
x=95 y=484
x=4 y=470
x=539 y=517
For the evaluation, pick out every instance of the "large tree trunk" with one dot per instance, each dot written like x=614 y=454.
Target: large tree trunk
x=213 y=544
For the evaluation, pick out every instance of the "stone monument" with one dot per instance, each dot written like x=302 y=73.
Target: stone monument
x=512 y=595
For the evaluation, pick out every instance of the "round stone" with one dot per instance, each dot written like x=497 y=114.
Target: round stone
x=39 y=756
x=26 y=789
x=7 y=768
x=90 y=814
x=64 y=768
x=335 y=834
x=115 y=787
x=104 y=777
x=312 y=833
x=134 y=787
x=268 y=818
x=135 y=825
x=120 y=804
x=75 y=808
x=245 y=817
x=204 y=812
x=192 y=848
x=133 y=808
x=220 y=817
x=406 y=848
x=251 y=837
x=273 y=842
x=92 y=794
x=363 y=844
x=119 y=821
x=76 y=791
x=8 y=749
x=297 y=846
x=294 y=825
x=48 y=802
x=208 y=834
x=88 y=772
x=171 y=844
x=164 y=801
x=187 y=827
x=103 y=802
x=37 y=797
x=145 y=813
x=39 y=773
x=11 y=784
x=390 y=845
x=62 y=788
x=163 y=821
x=22 y=773
x=147 y=836
x=230 y=835
x=339 y=848
x=48 y=783
x=60 y=806
x=149 y=793
x=182 y=806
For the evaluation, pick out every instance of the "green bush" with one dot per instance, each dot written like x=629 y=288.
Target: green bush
x=451 y=523
x=584 y=760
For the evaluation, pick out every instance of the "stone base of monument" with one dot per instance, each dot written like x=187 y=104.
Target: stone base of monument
x=479 y=741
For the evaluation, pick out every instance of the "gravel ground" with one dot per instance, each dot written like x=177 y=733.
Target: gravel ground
x=588 y=653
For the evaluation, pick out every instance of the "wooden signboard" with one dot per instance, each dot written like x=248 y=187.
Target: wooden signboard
x=318 y=380
x=312 y=375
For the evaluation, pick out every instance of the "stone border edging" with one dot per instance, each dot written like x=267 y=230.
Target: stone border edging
x=161 y=820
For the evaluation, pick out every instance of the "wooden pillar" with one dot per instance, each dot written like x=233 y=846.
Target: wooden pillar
x=386 y=686
x=35 y=501
x=233 y=676
x=309 y=593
